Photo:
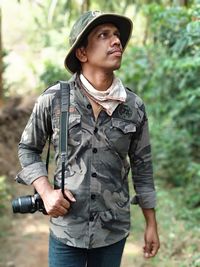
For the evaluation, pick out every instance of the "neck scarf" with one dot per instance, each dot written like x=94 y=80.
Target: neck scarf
x=109 y=99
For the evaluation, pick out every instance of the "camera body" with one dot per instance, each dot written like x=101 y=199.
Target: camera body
x=28 y=204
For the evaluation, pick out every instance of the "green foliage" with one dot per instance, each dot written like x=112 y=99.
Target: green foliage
x=192 y=197
x=167 y=23
x=53 y=73
x=5 y=65
x=175 y=220
x=4 y=195
x=169 y=146
x=166 y=74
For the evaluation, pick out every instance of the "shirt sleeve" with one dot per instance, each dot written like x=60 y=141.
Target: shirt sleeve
x=33 y=141
x=141 y=165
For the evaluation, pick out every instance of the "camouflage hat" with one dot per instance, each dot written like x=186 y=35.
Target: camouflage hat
x=85 y=24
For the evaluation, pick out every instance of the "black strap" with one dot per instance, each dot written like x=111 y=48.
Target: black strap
x=48 y=154
x=64 y=121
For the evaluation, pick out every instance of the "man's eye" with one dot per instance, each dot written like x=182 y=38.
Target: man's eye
x=117 y=34
x=103 y=35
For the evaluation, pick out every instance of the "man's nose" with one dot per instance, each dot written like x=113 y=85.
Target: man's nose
x=116 y=40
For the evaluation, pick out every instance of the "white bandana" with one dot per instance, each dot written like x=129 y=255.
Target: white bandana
x=108 y=99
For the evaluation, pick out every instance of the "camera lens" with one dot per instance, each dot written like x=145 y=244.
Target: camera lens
x=23 y=205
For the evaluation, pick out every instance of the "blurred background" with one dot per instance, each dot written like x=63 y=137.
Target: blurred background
x=161 y=64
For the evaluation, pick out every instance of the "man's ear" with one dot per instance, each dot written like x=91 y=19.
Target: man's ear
x=81 y=54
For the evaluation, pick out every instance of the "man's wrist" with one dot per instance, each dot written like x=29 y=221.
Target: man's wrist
x=42 y=186
x=150 y=217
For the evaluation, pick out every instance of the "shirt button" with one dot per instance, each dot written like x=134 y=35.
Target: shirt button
x=94 y=174
x=91 y=218
x=89 y=106
x=95 y=130
x=93 y=196
x=94 y=150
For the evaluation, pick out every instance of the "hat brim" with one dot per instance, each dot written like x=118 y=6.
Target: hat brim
x=123 y=24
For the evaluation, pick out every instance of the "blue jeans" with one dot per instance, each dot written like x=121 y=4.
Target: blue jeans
x=61 y=255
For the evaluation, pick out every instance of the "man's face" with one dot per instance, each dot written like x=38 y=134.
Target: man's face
x=104 y=49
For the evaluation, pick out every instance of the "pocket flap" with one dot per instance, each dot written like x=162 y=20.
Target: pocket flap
x=124 y=126
x=74 y=120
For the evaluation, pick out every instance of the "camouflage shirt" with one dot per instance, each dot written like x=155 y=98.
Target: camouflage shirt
x=100 y=154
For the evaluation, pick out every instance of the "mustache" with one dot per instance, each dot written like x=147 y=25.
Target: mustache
x=115 y=49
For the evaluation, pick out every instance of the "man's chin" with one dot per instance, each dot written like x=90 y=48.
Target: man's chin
x=113 y=67
x=117 y=67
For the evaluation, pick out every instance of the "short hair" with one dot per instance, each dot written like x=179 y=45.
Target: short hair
x=82 y=43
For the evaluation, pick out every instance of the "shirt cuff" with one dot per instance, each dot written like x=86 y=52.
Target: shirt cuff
x=31 y=172
x=145 y=200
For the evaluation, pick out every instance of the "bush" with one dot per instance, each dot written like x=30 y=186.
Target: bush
x=53 y=73
x=4 y=194
x=165 y=73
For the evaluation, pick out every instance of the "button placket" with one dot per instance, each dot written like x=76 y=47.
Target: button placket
x=93 y=196
x=92 y=216
x=95 y=130
x=94 y=167
x=89 y=106
x=94 y=150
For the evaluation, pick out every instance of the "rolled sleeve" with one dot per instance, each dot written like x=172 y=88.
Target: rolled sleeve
x=145 y=200
x=31 y=172
x=33 y=140
x=141 y=165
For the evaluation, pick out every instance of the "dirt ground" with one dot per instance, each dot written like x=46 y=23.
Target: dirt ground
x=27 y=239
x=27 y=242
x=13 y=118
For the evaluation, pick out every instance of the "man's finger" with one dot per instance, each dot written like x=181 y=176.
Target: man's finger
x=154 y=250
x=65 y=204
x=69 y=195
x=147 y=250
x=60 y=211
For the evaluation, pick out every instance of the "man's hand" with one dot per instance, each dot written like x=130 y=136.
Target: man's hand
x=54 y=202
x=152 y=243
x=151 y=239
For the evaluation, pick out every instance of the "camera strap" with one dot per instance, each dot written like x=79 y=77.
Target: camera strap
x=63 y=137
x=64 y=122
x=48 y=153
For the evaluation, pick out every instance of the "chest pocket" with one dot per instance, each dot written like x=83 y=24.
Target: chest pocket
x=119 y=135
x=75 y=131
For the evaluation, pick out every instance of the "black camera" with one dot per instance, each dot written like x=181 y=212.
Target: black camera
x=28 y=204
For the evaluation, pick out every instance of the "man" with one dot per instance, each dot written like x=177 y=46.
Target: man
x=107 y=123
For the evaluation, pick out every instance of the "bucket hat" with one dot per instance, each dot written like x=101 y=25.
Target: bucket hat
x=85 y=24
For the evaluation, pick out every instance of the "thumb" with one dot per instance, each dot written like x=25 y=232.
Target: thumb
x=69 y=195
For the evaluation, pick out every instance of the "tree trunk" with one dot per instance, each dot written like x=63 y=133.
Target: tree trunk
x=184 y=3
x=181 y=2
x=85 y=5
x=1 y=63
x=146 y=31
